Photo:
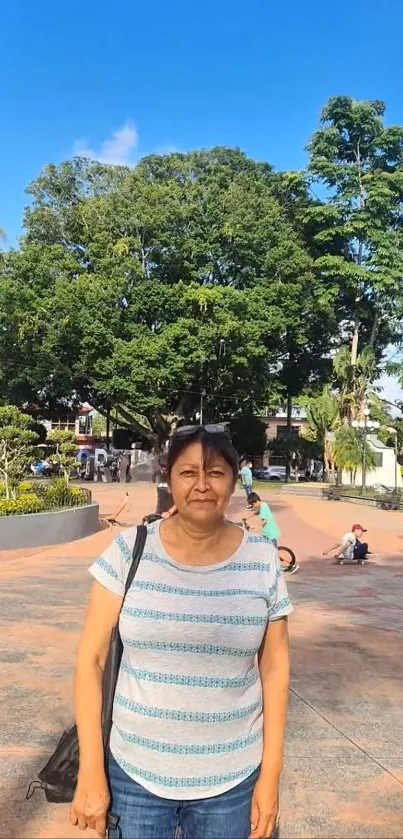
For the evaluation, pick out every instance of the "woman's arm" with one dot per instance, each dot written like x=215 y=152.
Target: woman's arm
x=91 y=798
x=274 y=667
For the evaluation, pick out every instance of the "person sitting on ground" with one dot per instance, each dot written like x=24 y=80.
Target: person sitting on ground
x=350 y=547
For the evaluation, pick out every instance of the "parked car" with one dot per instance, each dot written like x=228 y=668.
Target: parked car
x=273 y=473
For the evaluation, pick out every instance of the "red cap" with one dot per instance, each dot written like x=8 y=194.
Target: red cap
x=358 y=527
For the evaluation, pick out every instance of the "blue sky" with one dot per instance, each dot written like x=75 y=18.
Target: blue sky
x=125 y=78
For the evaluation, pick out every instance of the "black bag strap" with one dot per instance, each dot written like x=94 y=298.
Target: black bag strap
x=137 y=553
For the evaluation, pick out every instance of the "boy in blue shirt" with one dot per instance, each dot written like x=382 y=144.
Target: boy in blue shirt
x=270 y=529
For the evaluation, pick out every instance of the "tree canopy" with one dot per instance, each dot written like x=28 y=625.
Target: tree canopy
x=208 y=276
x=140 y=289
x=360 y=161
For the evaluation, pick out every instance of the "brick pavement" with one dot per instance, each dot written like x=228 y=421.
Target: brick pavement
x=344 y=754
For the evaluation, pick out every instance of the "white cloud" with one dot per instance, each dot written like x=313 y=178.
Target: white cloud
x=118 y=150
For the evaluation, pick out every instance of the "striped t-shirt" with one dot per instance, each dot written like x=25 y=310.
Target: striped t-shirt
x=187 y=719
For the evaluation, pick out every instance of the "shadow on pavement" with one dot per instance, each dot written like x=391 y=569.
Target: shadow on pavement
x=344 y=755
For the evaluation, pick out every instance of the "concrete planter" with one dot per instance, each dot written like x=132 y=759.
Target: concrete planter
x=36 y=529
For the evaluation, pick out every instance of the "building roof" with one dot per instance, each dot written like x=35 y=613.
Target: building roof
x=375 y=443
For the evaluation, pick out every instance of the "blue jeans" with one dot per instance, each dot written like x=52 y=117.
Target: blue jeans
x=248 y=489
x=143 y=815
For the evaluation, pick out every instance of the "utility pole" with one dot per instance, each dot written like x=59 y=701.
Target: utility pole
x=202 y=395
x=288 y=437
x=364 y=459
x=394 y=432
x=108 y=426
x=364 y=425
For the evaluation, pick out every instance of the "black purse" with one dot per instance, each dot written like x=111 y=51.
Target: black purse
x=58 y=779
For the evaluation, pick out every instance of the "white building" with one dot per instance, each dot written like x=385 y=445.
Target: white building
x=387 y=470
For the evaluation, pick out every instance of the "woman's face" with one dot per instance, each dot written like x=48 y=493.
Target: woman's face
x=201 y=491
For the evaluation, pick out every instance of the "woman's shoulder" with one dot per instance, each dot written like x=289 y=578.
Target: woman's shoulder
x=126 y=538
x=256 y=553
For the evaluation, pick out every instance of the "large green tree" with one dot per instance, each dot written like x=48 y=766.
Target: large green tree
x=139 y=290
x=360 y=161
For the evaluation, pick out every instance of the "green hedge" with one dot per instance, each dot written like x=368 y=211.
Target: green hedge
x=35 y=497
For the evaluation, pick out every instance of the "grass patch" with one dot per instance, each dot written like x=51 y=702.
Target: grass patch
x=272 y=486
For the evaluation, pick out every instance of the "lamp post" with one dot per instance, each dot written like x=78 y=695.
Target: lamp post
x=364 y=425
x=394 y=432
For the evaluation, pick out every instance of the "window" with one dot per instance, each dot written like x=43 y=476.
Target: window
x=378 y=459
x=84 y=424
x=282 y=431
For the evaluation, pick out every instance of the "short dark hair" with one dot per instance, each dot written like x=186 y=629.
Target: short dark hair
x=212 y=443
x=253 y=497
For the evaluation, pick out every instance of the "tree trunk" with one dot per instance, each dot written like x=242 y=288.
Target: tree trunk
x=289 y=437
x=374 y=330
x=326 y=458
x=329 y=470
x=354 y=343
x=108 y=427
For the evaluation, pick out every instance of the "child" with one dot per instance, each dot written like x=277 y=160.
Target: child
x=262 y=509
x=270 y=528
x=350 y=547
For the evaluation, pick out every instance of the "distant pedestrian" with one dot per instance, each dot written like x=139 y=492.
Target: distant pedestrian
x=247 y=480
x=165 y=502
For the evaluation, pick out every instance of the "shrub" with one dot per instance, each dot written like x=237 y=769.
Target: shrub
x=61 y=494
x=66 y=451
x=57 y=493
x=35 y=497
x=78 y=496
x=16 y=442
x=26 y=503
x=26 y=486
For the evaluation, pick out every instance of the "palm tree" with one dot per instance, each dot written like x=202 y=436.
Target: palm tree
x=347 y=448
x=323 y=418
x=353 y=382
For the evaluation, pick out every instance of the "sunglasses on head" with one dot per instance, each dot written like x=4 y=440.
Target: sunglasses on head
x=188 y=430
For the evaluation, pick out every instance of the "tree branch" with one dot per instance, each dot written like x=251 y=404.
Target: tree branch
x=136 y=426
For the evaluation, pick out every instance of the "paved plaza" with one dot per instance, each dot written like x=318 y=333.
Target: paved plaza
x=344 y=755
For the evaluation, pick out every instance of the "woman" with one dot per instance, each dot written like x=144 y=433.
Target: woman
x=201 y=699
